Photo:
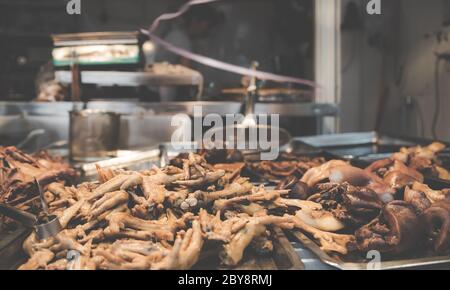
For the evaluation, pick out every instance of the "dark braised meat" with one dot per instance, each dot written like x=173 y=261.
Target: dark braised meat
x=279 y=170
x=338 y=171
x=18 y=170
x=396 y=230
x=380 y=167
x=437 y=224
x=424 y=159
x=417 y=199
x=354 y=206
x=298 y=189
x=399 y=175
x=395 y=173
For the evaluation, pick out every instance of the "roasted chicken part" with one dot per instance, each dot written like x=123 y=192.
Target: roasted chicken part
x=437 y=225
x=297 y=189
x=421 y=196
x=353 y=206
x=279 y=170
x=338 y=171
x=397 y=230
x=395 y=173
x=424 y=159
x=18 y=170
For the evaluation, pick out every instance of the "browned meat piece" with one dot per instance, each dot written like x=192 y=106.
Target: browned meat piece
x=298 y=189
x=437 y=224
x=396 y=231
x=421 y=196
x=338 y=171
x=354 y=206
x=432 y=195
x=424 y=159
x=18 y=170
x=399 y=175
x=380 y=167
x=358 y=177
x=279 y=170
x=398 y=171
x=417 y=199
x=421 y=164
x=320 y=173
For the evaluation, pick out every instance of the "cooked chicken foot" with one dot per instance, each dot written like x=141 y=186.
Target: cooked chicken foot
x=185 y=252
x=108 y=201
x=329 y=242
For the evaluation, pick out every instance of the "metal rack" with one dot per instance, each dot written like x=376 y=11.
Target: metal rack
x=144 y=124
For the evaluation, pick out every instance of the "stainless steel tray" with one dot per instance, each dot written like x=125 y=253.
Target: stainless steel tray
x=438 y=262
x=353 y=139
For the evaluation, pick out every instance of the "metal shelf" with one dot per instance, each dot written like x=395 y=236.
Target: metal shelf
x=168 y=108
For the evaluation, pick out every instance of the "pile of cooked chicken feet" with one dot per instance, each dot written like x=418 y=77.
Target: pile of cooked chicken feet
x=165 y=218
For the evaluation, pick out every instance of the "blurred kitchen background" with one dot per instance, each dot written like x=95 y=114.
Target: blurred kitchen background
x=380 y=71
x=276 y=33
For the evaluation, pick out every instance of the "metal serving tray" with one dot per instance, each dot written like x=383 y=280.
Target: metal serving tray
x=351 y=145
x=442 y=262
x=353 y=139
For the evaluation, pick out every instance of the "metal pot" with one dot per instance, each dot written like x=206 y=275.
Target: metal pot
x=94 y=135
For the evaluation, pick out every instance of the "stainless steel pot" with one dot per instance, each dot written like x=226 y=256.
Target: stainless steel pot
x=94 y=135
